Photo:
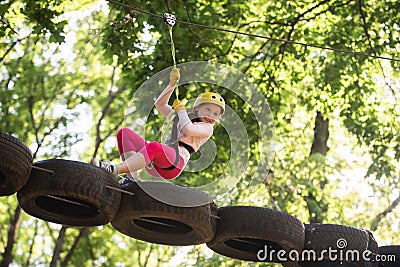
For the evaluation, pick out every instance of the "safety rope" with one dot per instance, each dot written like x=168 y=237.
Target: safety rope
x=170 y=20
x=172 y=47
x=174 y=60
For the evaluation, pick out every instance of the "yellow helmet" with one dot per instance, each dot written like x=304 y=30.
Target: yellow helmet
x=209 y=97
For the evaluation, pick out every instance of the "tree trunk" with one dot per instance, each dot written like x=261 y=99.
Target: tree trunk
x=321 y=135
x=11 y=237
x=317 y=208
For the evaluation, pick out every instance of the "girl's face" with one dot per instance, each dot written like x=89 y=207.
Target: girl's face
x=209 y=112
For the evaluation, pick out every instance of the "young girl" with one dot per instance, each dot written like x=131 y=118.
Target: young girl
x=189 y=132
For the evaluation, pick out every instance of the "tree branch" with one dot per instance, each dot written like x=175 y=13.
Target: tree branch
x=11 y=237
x=375 y=222
x=82 y=233
x=104 y=113
x=148 y=256
x=58 y=247
x=28 y=259
x=364 y=22
x=9 y=26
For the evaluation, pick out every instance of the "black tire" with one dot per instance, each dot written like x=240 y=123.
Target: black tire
x=75 y=194
x=389 y=256
x=348 y=241
x=147 y=218
x=250 y=233
x=15 y=164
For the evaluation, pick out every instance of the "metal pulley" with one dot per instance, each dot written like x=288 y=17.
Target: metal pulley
x=169 y=19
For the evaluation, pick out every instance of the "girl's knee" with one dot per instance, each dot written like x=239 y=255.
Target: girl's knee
x=123 y=137
x=123 y=132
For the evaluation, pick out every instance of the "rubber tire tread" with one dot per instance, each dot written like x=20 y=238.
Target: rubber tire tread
x=320 y=237
x=15 y=164
x=256 y=223
x=390 y=250
x=200 y=218
x=71 y=179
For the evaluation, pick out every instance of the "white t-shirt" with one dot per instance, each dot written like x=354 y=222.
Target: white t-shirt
x=195 y=134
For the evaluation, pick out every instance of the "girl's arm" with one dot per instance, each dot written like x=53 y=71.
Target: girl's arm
x=162 y=100
x=204 y=130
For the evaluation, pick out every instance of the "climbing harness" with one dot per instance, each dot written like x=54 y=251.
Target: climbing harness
x=174 y=143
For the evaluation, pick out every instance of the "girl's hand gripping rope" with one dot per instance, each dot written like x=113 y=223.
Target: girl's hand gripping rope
x=174 y=77
x=178 y=105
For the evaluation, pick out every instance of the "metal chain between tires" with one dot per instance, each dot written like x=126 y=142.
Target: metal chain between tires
x=107 y=186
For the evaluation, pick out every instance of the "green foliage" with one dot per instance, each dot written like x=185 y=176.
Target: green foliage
x=70 y=104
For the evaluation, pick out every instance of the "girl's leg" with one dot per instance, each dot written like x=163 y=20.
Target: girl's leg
x=162 y=157
x=127 y=155
x=137 y=153
x=129 y=141
x=132 y=164
x=128 y=144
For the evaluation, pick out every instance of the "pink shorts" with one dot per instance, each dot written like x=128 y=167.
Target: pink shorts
x=162 y=156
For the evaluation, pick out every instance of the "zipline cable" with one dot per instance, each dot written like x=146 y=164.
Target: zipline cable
x=260 y=36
